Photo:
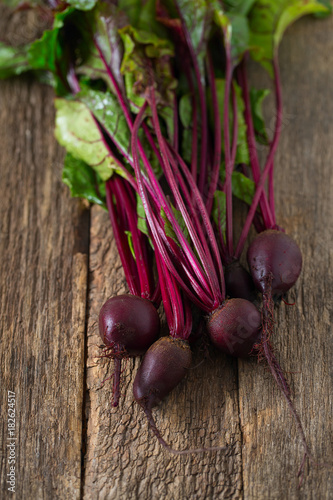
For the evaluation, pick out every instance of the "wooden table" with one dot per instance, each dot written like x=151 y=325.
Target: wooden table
x=58 y=265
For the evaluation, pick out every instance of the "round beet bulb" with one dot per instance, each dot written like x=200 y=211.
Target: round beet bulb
x=235 y=327
x=238 y=281
x=129 y=323
x=275 y=261
x=164 y=365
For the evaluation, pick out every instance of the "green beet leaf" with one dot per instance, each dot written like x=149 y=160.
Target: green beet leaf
x=78 y=132
x=197 y=16
x=185 y=110
x=82 y=4
x=219 y=210
x=239 y=36
x=185 y=115
x=242 y=153
x=13 y=60
x=257 y=97
x=167 y=114
x=240 y=7
x=83 y=181
x=168 y=229
x=16 y=3
x=243 y=188
x=329 y=7
x=234 y=26
x=51 y=52
x=144 y=50
x=142 y=16
x=107 y=110
x=142 y=220
x=45 y=52
x=269 y=19
x=104 y=22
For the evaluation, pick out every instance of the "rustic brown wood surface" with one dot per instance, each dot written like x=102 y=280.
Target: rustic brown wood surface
x=59 y=263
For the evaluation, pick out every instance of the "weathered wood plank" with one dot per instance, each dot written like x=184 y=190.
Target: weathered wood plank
x=271 y=449
x=123 y=459
x=43 y=285
x=43 y=273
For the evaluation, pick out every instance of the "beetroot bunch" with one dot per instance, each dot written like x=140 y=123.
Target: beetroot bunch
x=161 y=129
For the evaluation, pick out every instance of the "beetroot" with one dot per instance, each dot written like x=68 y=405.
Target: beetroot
x=235 y=327
x=129 y=322
x=165 y=364
x=128 y=325
x=275 y=261
x=238 y=282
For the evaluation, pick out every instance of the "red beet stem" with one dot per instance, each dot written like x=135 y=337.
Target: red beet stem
x=130 y=270
x=277 y=131
x=203 y=106
x=217 y=137
x=265 y=209
x=227 y=152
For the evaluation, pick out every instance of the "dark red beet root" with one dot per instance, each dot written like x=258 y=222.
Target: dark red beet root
x=128 y=325
x=164 y=366
x=238 y=281
x=235 y=327
x=275 y=261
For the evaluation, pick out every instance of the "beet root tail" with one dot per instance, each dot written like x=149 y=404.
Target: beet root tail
x=266 y=351
x=168 y=447
x=116 y=382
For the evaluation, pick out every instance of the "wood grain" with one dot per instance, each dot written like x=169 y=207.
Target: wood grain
x=59 y=264
x=43 y=271
x=43 y=285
